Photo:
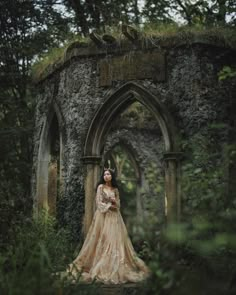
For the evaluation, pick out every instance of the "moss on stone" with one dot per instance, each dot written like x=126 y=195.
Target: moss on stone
x=151 y=36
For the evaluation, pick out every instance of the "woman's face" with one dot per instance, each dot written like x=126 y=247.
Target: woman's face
x=107 y=176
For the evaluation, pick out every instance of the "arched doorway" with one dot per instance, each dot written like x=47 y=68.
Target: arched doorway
x=50 y=164
x=121 y=157
x=111 y=108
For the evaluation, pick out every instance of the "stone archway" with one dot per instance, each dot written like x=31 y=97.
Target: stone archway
x=131 y=154
x=50 y=162
x=98 y=131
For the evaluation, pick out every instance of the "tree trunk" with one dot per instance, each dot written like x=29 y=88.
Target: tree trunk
x=221 y=16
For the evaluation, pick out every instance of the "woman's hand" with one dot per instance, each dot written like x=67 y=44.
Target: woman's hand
x=113 y=208
x=113 y=200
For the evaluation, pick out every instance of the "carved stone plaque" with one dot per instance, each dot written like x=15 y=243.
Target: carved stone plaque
x=132 y=66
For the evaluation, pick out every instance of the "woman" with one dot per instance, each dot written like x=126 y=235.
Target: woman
x=107 y=254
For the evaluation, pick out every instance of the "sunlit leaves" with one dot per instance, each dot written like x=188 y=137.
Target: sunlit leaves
x=226 y=72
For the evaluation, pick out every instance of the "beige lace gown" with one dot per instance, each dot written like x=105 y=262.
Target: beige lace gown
x=107 y=254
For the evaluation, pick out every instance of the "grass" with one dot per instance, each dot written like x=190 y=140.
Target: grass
x=47 y=60
x=50 y=59
x=150 y=34
x=37 y=250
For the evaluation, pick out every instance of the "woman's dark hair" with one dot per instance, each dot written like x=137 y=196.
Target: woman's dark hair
x=113 y=178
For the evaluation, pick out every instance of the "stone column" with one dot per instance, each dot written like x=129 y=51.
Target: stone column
x=42 y=186
x=140 y=209
x=52 y=186
x=92 y=164
x=172 y=186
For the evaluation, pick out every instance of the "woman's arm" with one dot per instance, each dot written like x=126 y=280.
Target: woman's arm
x=101 y=206
x=116 y=204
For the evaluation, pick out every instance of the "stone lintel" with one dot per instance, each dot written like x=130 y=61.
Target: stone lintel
x=133 y=66
x=87 y=50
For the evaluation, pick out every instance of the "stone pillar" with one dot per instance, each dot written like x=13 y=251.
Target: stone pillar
x=52 y=186
x=42 y=186
x=61 y=169
x=139 y=206
x=92 y=164
x=172 y=186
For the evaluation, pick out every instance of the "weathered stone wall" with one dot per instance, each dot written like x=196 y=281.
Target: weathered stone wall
x=190 y=91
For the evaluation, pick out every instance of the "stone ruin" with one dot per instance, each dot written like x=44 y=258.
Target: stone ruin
x=136 y=96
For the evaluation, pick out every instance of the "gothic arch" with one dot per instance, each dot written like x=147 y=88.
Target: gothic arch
x=131 y=152
x=133 y=156
x=99 y=128
x=118 y=102
x=48 y=170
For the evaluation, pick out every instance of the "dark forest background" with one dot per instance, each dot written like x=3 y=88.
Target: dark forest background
x=29 y=30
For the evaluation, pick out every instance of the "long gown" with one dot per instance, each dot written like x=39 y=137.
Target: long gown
x=107 y=254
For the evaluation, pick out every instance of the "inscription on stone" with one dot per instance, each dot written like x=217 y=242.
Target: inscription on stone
x=132 y=66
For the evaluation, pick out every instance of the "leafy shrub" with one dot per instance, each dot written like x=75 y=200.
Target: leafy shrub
x=38 y=250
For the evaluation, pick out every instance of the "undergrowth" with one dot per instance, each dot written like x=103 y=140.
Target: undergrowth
x=32 y=262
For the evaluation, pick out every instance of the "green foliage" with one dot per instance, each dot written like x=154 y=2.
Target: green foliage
x=46 y=60
x=54 y=56
x=155 y=33
x=96 y=15
x=205 y=170
x=200 y=250
x=27 y=30
x=190 y=12
x=90 y=15
x=226 y=72
x=39 y=249
x=199 y=254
